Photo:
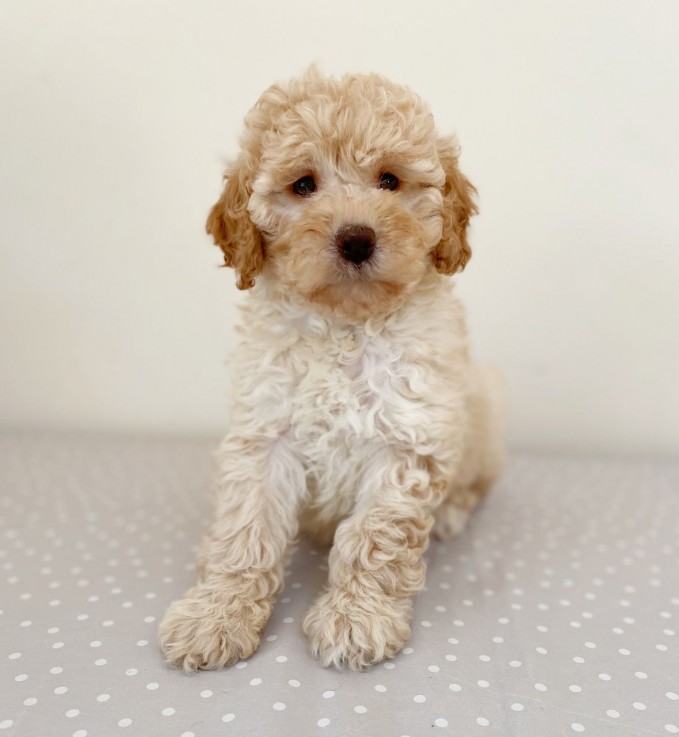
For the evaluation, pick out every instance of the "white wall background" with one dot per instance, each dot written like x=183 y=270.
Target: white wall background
x=115 y=120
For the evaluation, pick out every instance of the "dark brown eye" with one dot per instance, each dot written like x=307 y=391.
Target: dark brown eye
x=304 y=186
x=389 y=181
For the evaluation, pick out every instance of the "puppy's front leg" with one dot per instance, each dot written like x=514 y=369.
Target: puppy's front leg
x=376 y=567
x=219 y=621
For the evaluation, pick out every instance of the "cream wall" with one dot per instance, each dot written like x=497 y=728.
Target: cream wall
x=116 y=119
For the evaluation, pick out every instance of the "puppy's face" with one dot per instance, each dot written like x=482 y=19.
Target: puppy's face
x=344 y=194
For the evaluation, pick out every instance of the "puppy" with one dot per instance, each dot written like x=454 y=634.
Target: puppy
x=357 y=418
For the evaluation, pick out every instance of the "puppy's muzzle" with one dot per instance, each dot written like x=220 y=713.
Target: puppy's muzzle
x=356 y=243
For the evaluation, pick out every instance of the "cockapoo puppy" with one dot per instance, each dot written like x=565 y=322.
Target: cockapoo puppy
x=358 y=418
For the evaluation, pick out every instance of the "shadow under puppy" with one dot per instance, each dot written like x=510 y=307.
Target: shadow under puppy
x=357 y=418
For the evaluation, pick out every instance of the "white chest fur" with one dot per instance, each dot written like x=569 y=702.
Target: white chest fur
x=340 y=394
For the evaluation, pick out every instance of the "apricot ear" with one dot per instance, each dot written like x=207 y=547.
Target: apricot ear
x=453 y=251
x=233 y=231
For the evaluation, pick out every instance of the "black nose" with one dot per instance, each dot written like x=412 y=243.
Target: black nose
x=356 y=243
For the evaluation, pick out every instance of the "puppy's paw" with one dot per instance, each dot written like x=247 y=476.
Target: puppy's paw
x=450 y=521
x=345 y=630
x=211 y=629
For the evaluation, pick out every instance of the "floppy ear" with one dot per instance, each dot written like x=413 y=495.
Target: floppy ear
x=453 y=251
x=233 y=231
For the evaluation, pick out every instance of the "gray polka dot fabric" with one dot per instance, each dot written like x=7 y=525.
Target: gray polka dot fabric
x=555 y=613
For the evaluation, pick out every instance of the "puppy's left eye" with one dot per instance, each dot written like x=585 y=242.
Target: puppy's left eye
x=304 y=187
x=389 y=181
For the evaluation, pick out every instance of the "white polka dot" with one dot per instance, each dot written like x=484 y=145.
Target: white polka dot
x=613 y=714
x=433 y=669
x=142 y=643
x=451 y=658
x=672 y=696
x=575 y=689
x=440 y=722
x=672 y=728
x=206 y=693
x=294 y=683
x=639 y=706
x=389 y=666
x=482 y=721
x=228 y=717
x=577 y=727
x=255 y=681
x=281 y=659
x=328 y=694
x=26 y=623
x=578 y=659
x=103 y=697
x=125 y=722
x=624 y=651
x=484 y=658
x=640 y=674
x=14 y=656
x=419 y=699
x=360 y=709
x=453 y=641
x=483 y=684
x=168 y=712
x=380 y=688
x=6 y=724
x=323 y=722
x=516 y=707
x=21 y=677
x=107 y=623
x=31 y=701
x=152 y=686
x=57 y=645
x=72 y=713
x=540 y=687
x=455 y=687
x=279 y=706
x=604 y=677
x=131 y=672
x=288 y=620
x=590 y=645
x=60 y=689
x=101 y=661
x=425 y=623
x=80 y=733
x=515 y=663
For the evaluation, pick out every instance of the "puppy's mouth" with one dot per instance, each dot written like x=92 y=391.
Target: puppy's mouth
x=358 y=299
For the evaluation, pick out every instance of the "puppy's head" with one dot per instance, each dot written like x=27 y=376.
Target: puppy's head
x=344 y=194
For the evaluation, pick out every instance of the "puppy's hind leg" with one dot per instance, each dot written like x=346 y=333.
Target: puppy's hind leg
x=484 y=453
x=452 y=516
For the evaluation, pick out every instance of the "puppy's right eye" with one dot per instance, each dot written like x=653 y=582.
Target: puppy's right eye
x=304 y=187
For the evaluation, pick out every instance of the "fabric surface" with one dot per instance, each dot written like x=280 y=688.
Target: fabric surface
x=555 y=613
